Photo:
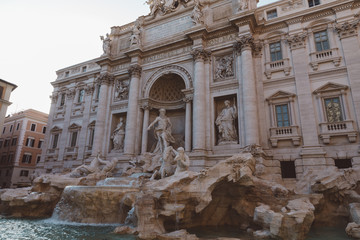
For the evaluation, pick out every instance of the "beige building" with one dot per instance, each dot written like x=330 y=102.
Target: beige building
x=284 y=76
x=21 y=144
x=5 y=91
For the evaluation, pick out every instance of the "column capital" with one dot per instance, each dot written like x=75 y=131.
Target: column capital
x=105 y=78
x=146 y=106
x=54 y=97
x=347 y=29
x=244 y=42
x=188 y=99
x=200 y=54
x=135 y=70
x=70 y=93
x=89 y=89
x=296 y=41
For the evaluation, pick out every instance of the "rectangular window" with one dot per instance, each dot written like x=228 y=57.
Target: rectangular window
x=333 y=110
x=98 y=92
x=313 y=3
x=1 y=143
x=11 y=128
x=343 y=163
x=3 y=159
x=282 y=115
x=44 y=130
x=73 y=139
x=271 y=14
x=81 y=96
x=17 y=126
x=40 y=143
x=84 y=69
x=67 y=74
x=321 y=41
x=91 y=138
x=38 y=158
x=55 y=141
x=288 y=169
x=275 y=51
x=4 y=129
x=24 y=173
x=26 y=158
x=10 y=158
x=7 y=142
x=1 y=92
x=13 y=141
x=33 y=127
x=62 y=99
x=30 y=142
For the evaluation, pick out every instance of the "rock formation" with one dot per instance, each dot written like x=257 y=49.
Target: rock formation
x=235 y=192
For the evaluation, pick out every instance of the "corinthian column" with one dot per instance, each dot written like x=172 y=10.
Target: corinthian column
x=248 y=91
x=187 y=100
x=199 y=108
x=144 y=142
x=131 y=118
x=104 y=80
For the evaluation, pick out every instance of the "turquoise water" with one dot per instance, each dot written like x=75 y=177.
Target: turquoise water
x=20 y=229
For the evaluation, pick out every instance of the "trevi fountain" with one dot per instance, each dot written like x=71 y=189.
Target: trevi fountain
x=189 y=137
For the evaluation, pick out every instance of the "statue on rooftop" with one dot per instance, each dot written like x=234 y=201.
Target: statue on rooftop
x=106 y=44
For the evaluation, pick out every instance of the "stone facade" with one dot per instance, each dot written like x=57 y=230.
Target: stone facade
x=289 y=70
x=21 y=142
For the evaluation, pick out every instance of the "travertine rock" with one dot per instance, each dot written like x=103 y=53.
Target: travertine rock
x=178 y=235
x=355 y=212
x=353 y=230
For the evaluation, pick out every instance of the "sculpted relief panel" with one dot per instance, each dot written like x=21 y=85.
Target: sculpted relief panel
x=121 y=90
x=224 y=67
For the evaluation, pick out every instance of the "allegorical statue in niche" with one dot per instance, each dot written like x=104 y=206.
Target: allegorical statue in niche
x=106 y=44
x=162 y=131
x=182 y=160
x=119 y=135
x=226 y=123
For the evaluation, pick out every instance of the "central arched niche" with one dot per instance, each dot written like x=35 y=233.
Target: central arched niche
x=167 y=93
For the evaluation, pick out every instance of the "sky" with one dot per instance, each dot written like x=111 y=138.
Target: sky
x=39 y=37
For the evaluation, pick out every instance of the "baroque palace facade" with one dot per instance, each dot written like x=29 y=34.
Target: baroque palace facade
x=285 y=76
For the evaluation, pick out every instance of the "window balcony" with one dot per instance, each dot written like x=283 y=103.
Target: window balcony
x=330 y=55
x=344 y=128
x=71 y=150
x=282 y=65
x=284 y=133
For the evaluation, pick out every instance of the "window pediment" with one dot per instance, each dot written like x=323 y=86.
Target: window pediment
x=74 y=126
x=281 y=95
x=56 y=129
x=331 y=87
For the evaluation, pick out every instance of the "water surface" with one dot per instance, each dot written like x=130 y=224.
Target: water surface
x=20 y=229
x=49 y=229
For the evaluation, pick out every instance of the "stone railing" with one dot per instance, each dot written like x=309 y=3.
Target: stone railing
x=284 y=133
x=344 y=128
x=330 y=55
x=52 y=151
x=282 y=65
x=71 y=150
